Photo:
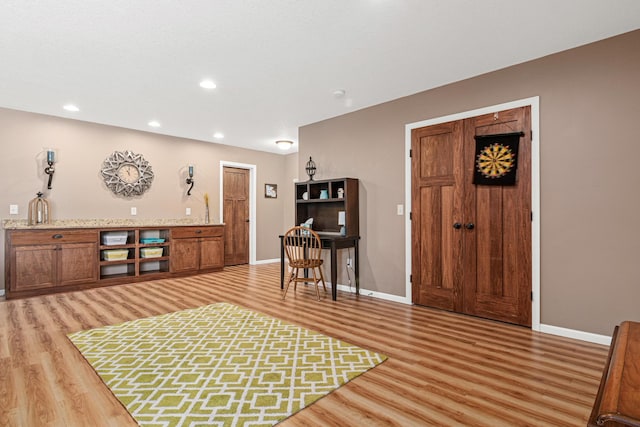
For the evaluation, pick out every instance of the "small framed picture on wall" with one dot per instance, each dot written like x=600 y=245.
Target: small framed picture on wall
x=271 y=191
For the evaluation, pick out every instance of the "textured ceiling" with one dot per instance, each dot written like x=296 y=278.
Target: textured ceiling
x=276 y=63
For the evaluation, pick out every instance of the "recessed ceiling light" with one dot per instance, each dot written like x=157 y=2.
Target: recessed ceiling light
x=71 y=107
x=154 y=124
x=218 y=135
x=207 y=84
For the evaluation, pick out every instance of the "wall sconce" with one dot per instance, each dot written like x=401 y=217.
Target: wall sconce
x=190 y=180
x=49 y=170
x=284 y=144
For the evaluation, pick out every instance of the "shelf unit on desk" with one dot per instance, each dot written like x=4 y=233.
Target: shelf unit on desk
x=325 y=220
x=325 y=211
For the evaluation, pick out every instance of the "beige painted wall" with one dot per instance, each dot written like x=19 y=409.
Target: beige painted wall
x=291 y=176
x=78 y=189
x=589 y=175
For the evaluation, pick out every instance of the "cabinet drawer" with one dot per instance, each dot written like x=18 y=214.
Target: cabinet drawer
x=39 y=237
x=191 y=232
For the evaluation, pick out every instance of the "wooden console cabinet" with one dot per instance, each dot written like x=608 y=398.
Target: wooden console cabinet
x=50 y=259
x=197 y=249
x=41 y=261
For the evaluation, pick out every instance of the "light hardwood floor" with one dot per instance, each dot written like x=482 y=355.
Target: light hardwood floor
x=443 y=369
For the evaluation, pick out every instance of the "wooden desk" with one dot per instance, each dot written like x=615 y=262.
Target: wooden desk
x=333 y=243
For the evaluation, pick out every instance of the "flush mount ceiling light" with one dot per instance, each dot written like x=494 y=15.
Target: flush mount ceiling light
x=339 y=93
x=154 y=124
x=218 y=135
x=71 y=107
x=207 y=84
x=284 y=144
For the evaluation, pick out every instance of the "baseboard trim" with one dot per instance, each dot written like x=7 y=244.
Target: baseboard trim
x=575 y=334
x=546 y=329
x=266 y=261
x=374 y=294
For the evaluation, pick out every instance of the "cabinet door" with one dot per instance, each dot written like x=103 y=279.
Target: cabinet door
x=33 y=267
x=211 y=253
x=185 y=255
x=77 y=263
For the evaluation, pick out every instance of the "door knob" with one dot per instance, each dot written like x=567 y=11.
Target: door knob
x=469 y=226
x=457 y=225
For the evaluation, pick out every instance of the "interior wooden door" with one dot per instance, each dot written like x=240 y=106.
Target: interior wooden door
x=236 y=215
x=471 y=244
x=437 y=195
x=497 y=261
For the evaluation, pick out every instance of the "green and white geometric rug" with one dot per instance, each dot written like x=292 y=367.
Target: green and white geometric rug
x=218 y=365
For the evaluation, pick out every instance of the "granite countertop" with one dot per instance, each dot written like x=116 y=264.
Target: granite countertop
x=15 y=224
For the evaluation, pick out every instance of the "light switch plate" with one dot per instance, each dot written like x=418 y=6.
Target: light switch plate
x=187 y=211
x=134 y=211
x=400 y=209
x=13 y=209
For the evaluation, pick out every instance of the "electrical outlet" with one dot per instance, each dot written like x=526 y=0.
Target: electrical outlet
x=134 y=211
x=187 y=211
x=13 y=209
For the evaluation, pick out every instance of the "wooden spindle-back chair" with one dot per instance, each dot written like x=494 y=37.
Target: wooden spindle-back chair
x=303 y=249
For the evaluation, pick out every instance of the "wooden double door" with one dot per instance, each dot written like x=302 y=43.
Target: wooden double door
x=471 y=244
